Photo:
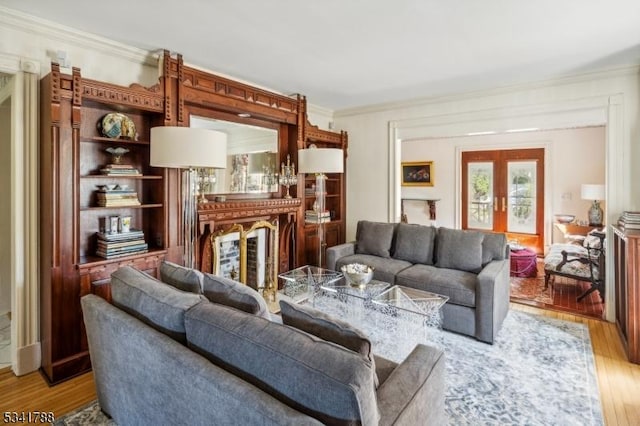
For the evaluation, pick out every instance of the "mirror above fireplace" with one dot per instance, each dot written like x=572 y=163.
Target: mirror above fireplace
x=252 y=159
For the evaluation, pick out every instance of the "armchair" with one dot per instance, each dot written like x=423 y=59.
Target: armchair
x=585 y=262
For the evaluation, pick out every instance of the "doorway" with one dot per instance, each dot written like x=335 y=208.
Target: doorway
x=6 y=88
x=503 y=191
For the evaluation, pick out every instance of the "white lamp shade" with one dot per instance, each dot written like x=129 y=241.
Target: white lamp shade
x=186 y=147
x=320 y=160
x=592 y=192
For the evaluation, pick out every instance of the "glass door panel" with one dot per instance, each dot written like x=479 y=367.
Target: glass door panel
x=480 y=195
x=522 y=200
x=503 y=191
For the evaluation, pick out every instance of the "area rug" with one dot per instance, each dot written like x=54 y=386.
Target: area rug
x=531 y=289
x=539 y=371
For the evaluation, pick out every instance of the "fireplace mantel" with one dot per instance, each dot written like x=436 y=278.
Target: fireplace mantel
x=243 y=210
x=215 y=216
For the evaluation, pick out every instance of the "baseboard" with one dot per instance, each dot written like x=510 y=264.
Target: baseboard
x=28 y=359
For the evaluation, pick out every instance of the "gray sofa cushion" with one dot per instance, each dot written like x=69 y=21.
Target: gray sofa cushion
x=459 y=286
x=232 y=293
x=185 y=279
x=414 y=243
x=153 y=302
x=494 y=247
x=458 y=249
x=316 y=377
x=375 y=238
x=328 y=328
x=383 y=269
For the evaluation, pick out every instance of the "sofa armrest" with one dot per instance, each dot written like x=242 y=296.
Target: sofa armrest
x=414 y=392
x=492 y=299
x=336 y=252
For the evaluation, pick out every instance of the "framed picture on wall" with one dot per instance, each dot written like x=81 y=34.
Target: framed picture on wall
x=417 y=173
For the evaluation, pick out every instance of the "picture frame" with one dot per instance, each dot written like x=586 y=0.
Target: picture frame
x=417 y=173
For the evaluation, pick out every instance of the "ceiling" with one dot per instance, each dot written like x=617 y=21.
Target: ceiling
x=344 y=54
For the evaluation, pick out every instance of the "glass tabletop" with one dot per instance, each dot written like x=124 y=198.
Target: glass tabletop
x=410 y=299
x=302 y=282
x=368 y=291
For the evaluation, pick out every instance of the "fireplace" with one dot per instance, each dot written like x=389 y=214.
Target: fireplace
x=248 y=254
x=220 y=218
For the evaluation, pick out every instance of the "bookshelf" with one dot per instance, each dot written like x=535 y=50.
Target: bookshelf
x=75 y=205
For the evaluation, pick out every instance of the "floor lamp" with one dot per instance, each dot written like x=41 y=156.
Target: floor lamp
x=188 y=148
x=320 y=161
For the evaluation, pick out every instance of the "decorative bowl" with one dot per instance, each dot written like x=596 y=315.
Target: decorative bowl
x=357 y=274
x=564 y=218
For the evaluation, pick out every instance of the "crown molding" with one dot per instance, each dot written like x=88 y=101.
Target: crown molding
x=51 y=30
x=624 y=71
x=320 y=110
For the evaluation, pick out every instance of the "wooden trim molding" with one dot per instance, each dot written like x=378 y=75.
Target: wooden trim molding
x=135 y=96
x=209 y=213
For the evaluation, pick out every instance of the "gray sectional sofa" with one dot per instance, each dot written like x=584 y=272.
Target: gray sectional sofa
x=470 y=267
x=166 y=356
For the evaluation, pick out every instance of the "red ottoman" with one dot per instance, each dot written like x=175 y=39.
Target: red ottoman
x=524 y=263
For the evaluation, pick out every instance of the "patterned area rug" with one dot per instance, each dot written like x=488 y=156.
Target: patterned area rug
x=531 y=289
x=540 y=371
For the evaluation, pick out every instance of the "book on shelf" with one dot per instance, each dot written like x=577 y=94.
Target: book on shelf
x=119 y=203
x=313 y=213
x=110 y=245
x=137 y=247
x=132 y=235
x=128 y=171
x=323 y=220
x=119 y=166
x=116 y=255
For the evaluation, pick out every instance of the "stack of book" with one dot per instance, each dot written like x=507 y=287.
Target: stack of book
x=120 y=170
x=312 y=216
x=629 y=220
x=111 y=246
x=117 y=198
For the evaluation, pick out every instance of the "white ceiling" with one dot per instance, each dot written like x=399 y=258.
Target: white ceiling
x=343 y=54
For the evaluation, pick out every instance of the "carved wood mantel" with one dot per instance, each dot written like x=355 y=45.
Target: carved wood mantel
x=215 y=215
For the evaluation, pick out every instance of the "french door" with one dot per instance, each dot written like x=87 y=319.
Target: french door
x=503 y=191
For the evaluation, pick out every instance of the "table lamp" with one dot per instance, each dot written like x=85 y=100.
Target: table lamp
x=320 y=161
x=188 y=148
x=594 y=193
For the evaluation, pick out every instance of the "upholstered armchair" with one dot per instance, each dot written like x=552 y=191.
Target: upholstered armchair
x=584 y=262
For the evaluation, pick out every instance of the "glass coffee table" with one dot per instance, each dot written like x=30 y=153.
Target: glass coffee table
x=395 y=318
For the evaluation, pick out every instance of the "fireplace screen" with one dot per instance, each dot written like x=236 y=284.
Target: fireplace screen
x=247 y=255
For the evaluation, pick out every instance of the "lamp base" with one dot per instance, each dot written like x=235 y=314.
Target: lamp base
x=595 y=214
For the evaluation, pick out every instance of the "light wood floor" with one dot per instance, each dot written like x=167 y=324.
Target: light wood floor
x=618 y=379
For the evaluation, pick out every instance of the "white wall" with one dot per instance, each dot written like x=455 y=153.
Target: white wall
x=97 y=57
x=571 y=102
x=5 y=207
x=585 y=148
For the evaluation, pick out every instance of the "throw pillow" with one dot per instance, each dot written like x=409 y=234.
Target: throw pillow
x=458 y=249
x=374 y=238
x=414 y=243
x=182 y=278
x=232 y=293
x=328 y=328
x=155 y=303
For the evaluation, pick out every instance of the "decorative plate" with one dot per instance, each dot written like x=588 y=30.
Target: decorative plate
x=117 y=125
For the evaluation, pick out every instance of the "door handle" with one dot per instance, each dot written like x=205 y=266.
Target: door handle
x=504 y=204
x=495 y=204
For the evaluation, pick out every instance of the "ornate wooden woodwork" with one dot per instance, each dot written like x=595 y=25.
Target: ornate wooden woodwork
x=72 y=151
x=217 y=216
